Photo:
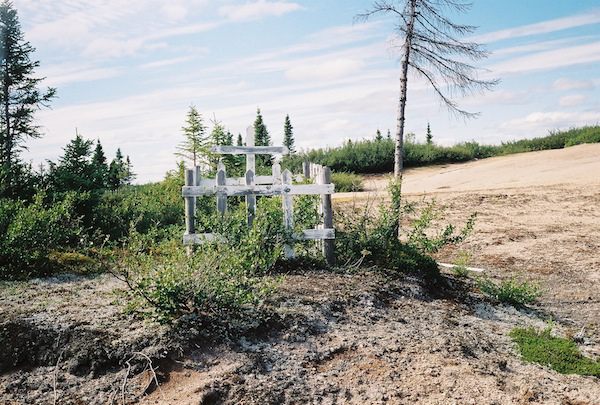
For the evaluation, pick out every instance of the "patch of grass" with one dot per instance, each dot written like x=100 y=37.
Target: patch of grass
x=511 y=291
x=557 y=353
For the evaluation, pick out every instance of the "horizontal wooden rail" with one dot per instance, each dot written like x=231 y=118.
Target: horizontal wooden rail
x=234 y=191
x=244 y=150
x=235 y=181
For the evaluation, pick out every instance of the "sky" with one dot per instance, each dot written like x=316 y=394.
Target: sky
x=127 y=72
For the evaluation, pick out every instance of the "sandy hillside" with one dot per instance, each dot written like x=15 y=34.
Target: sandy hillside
x=349 y=338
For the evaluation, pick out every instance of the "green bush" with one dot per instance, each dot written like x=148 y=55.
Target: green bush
x=557 y=353
x=418 y=234
x=31 y=232
x=347 y=182
x=511 y=291
x=366 y=239
x=218 y=276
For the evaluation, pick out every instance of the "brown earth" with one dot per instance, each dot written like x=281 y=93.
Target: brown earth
x=350 y=338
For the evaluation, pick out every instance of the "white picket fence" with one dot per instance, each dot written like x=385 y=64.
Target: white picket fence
x=251 y=186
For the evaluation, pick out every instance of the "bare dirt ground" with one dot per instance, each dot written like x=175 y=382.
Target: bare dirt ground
x=346 y=338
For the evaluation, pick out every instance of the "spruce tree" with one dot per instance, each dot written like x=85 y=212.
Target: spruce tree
x=99 y=167
x=262 y=138
x=428 y=135
x=117 y=171
x=378 y=136
x=196 y=146
x=288 y=135
x=74 y=170
x=19 y=97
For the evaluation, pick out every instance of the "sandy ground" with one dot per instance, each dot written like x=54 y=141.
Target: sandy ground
x=350 y=338
x=538 y=216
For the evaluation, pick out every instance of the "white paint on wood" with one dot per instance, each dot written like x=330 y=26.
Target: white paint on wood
x=309 y=234
x=243 y=150
x=201 y=238
x=257 y=190
x=288 y=210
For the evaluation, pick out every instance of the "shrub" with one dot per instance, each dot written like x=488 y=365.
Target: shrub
x=31 y=232
x=511 y=291
x=418 y=234
x=217 y=276
x=347 y=182
x=363 y=238
x=557 y=353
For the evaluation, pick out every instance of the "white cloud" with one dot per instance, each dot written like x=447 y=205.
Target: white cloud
x=339 y=125
x=540 y=28
x=565 y=84
x=558 y=58
x=327 y=70
x=257 y=10
x=500 y=97
x=112 y=48
x=543 y=121
x=572 y=100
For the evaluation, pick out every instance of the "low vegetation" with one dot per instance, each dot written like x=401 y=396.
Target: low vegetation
x=560 y=354
x=511 y=291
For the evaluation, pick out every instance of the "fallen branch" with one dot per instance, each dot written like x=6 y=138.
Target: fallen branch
x=152 y=371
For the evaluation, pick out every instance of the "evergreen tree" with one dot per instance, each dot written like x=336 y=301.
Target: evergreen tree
x=288 y=136
x=239 y=141
x=74 y=171
x=129 y=174
x=378 y=136
x=99 y=167
x=19 y=97
x=219 y=136
x=428 y=135
x=262 y=138
x=117 y=171
x=195 y=147
x=389 y=135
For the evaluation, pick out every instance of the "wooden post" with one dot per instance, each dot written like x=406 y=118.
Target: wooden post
x=250 y=199
x=288 y=209
x=328 y=244
x=221 y=181
x=190 y=208
x=306 y=169
x=250 y=157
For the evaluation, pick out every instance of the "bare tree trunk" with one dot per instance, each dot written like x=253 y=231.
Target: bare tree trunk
x=396 y=189
x=399 y=155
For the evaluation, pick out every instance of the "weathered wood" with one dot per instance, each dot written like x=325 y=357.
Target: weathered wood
x=258 y=190
x=221 y=200
x=250 y=198
x=190 y=208
x=276 y=171
x=288 y=210
x=190 y=205
x=306 y=169
x=309 y=234
x=250 y=157
x=236 y=181
x=201 y=238
x=243 y=150
x=328 y=245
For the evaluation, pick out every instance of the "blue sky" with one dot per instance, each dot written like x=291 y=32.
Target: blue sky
x=128 y=70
